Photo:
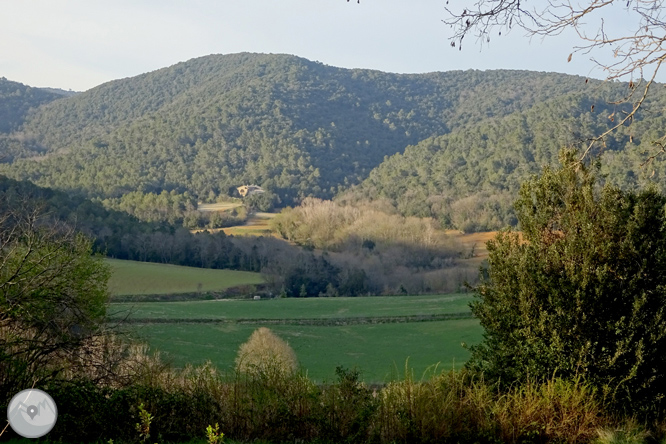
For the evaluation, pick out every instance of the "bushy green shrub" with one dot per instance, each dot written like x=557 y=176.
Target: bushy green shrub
x=581 y=291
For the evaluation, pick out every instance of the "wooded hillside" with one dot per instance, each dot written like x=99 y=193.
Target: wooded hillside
x=297 y=128
x=469 y=178
x=456 y=144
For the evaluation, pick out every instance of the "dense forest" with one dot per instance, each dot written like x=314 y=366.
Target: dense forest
x=297 y=128
x=469 y=178
x=16 y=101
x=453 y=146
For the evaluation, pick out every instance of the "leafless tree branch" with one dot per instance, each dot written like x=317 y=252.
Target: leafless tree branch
x=636 y=55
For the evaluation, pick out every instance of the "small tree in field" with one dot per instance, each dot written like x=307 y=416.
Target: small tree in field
x=582 y=291
x=266 y=354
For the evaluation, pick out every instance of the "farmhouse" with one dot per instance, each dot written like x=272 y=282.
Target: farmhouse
x=249 y=190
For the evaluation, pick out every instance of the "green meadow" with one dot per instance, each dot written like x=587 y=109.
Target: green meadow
x=143 y=278
x=380 y=351
x=297 y=308
x=340 y=331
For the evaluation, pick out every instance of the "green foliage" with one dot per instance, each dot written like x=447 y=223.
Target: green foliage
x=349 y=407
x=213 y=434
x=468 y=178
x=296 y=128
x=143 y=426
x=152 y=207
x=17 y=100
x=581 y=291
x=452 y=146
x=53 y=296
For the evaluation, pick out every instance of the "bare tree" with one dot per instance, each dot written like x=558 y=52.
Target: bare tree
x=637 y=56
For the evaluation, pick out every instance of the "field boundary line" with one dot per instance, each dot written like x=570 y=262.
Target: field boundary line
x=324 y=322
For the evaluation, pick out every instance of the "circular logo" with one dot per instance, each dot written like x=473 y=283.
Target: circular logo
x=32 y=413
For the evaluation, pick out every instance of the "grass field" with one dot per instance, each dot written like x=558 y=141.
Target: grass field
x=379 y=351
x=296 y=308
x=258 y=224
x=130 y=277
x=220 y=206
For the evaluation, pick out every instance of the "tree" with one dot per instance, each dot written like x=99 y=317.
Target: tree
x=581 y=290
x=52 y=297
x=637 y=55
x=265 y=354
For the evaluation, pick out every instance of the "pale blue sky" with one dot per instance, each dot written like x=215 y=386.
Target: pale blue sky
x=78 y=44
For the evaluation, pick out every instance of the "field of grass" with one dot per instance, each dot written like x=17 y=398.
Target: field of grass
x=220 y=206
x=258 y=224
x=339 y=331
x=130 y=277
x=296 y=308
x=379 y=351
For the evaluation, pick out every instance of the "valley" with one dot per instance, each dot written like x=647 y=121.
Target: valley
x=152 y=226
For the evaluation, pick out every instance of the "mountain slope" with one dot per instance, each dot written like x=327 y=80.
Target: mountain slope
x=16 y=102
x=469 y=178
x=295 y=127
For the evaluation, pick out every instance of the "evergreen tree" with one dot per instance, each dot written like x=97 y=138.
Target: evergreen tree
x=581 y=291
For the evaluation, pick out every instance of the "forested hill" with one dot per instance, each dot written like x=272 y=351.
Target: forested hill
x=469 y=178
x=16 y=101
x=293 y=126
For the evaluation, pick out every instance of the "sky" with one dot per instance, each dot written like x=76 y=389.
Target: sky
x=79 y=44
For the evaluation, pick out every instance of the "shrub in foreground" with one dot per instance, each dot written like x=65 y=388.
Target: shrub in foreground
x=581 y=291
x=449 y=407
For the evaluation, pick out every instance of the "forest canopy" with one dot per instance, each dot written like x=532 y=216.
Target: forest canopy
x=452 y=146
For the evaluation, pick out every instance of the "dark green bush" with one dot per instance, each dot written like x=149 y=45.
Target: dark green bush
x=581 y=291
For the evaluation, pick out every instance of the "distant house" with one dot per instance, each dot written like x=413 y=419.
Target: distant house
x=249 y=190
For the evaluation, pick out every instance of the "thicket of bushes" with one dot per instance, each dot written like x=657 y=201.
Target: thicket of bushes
x=278 y=407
